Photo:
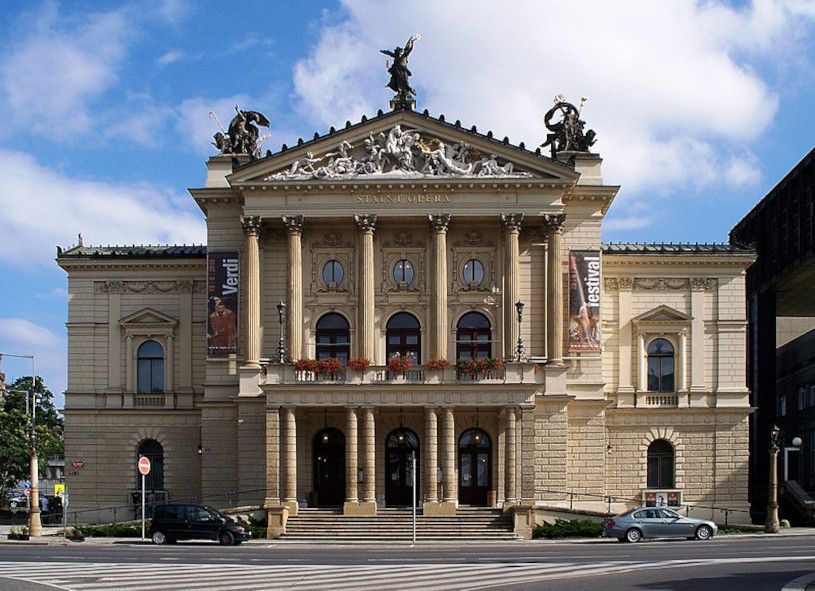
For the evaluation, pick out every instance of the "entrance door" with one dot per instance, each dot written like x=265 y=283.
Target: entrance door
x=329 y=467
x=399 y=447
x=475 y=468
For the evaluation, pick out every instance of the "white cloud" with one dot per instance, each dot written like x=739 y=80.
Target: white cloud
x=674 y=86
x=103 y=212
x=171 y=57
x=743 y=171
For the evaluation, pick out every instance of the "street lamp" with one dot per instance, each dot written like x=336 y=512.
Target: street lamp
x=34 y=521
x=281 y=346
x=772 y=525
x=519 y=349
x=796 y=446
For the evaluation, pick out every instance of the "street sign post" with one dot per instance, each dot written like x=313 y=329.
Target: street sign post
x=144 y=470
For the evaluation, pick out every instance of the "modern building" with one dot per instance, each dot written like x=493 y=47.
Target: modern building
x=406 y=287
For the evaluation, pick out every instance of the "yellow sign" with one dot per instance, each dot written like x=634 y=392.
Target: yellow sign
x=59 y=490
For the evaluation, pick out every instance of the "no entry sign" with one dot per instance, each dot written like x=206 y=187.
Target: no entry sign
x=144 y=466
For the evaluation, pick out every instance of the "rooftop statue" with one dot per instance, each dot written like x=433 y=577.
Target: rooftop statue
x=567 y=132
x=242 y=137
x=399 y=72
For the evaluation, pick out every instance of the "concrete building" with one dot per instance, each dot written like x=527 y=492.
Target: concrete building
x=478 y=323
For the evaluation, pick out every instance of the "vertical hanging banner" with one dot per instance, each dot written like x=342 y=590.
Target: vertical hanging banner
x=584 y=301
x=223 y=283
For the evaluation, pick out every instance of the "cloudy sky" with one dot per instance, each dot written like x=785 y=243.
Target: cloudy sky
x=699 y=107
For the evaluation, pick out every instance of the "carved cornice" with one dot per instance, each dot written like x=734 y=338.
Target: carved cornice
x=439 y=222
x=511 y=222
x=661 y=283
x=366 y=223
x=555 y=221
x=251 y=224
x=294 y=223
x=122 y=287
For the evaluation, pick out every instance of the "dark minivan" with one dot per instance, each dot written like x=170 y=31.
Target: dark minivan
x=184 y=521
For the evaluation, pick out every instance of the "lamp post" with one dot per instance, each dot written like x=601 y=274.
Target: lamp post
x=772 y=525
x=519 y=348
x=34 y=521
x=796 y=446
x=281 y=346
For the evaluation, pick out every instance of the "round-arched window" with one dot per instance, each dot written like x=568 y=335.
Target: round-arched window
x=153 y=451
x=473 y=337
x=403 y=272
x=660 y=366
x=150 y=368
x=333 y=272
x=660 y=464
x=333 y=337
x=473 y=272
x=404 y=337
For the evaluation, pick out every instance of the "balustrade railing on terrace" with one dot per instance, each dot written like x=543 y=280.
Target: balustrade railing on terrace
x=380 y=374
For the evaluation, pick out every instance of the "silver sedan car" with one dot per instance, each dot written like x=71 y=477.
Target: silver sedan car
x=658 y=522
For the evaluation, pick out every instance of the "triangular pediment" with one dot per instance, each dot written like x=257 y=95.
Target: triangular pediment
x=662 y=313
x=147 y=317
x=404 y=146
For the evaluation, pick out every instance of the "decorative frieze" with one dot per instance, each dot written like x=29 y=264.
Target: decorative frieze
x=661 y=283
x=147 y=287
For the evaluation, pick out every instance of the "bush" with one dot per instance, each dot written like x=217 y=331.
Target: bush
x=566 y=528
x=113 y=530
x=258 y=529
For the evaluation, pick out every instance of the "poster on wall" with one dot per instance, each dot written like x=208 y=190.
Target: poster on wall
x=223 y=281
x=584 y=301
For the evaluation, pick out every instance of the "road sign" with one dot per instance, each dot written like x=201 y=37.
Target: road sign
x=78 y=464
x=144 y=466
x=27 y=492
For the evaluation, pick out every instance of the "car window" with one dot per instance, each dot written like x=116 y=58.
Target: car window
x=651 y=514
x=639 y=515
x=668 y=514
x=170 y=512
x=200 y=514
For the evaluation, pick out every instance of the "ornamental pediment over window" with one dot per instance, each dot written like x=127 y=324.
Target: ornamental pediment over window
x=662 y=317
x=148 y=318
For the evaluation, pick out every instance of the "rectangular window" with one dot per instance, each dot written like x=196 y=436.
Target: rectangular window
x=782 y=405
x=801 y=397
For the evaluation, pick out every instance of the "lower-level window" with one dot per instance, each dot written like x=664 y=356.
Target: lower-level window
x=660 y=464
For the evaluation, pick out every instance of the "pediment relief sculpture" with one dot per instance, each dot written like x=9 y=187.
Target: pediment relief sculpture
x=399 y=153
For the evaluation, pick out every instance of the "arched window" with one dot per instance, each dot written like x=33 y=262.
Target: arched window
x=473 y=335
x=152 y=450
x=660 y=464
x=473 y=272
x=333 y=273
x=150 y=368
x=333 y=337
x=404 y=337
x=403 y=272
x=660 y=366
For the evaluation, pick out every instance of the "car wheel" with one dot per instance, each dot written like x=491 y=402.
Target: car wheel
x=226 y=539
x=13 y=504
x=633 y=535
x=704 y=533
x=159 y=538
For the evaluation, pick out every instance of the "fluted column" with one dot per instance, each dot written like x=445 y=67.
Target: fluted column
x=272 y=456
x=431 y=461
x=554 y=300
x=369 y=458
x=295 y=224
x=448 y=435
x=366 y=225
x=511 y=223
x=290 y=458
x=251 y=229
x=438 y=226
x=351 y=455
x=510 y=468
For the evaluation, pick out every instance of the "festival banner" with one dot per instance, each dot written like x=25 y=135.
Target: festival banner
x=223 y=283
x=584 y=301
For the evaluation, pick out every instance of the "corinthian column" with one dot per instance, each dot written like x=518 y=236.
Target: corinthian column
x=438 y=226
x=251 y=227
x=295 y=224
x=554 y=300
x=366 y=225
x=511 y=223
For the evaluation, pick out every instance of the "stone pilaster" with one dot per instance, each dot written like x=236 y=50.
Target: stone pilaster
x=272 y=457
x=351 y=464
x=295 y=225
x=431 y=457
x=366 y=225
x=510 y=489
x=554 y=300
x=448 y=437
x=511 y=223
x=251 y=228
x=290 y=459
x=438 y=227
x=528 y=454
x=368 y=504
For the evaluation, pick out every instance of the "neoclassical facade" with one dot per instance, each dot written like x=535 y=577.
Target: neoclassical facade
x=407 y=288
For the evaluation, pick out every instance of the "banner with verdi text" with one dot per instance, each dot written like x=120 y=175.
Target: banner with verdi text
x=223 y=284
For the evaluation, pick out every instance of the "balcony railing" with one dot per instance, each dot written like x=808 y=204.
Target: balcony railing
x=148 y=400
x=662 y=400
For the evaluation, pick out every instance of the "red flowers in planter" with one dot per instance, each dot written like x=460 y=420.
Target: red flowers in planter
x=399 y=363
x=489 y=366
x=307 y=365
x=359 y=363
x=437 y=363
x=330 y=366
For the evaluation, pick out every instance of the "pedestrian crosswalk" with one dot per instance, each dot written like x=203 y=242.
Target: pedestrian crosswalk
x=228 y=577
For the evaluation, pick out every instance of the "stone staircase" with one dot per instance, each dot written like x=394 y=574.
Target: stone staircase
x=470 y=524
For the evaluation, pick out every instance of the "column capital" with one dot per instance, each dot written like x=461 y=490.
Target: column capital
x=438 y=222
x=251 y=224
x=366 y=223
x=511 y=222
x=294 y=223
x=555 y=221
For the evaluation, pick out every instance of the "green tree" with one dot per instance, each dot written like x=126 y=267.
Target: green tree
x=14 y=435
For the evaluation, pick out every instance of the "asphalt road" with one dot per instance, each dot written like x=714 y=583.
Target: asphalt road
x=745 y=563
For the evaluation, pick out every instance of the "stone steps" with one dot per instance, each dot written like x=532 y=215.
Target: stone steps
x=469 y=524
